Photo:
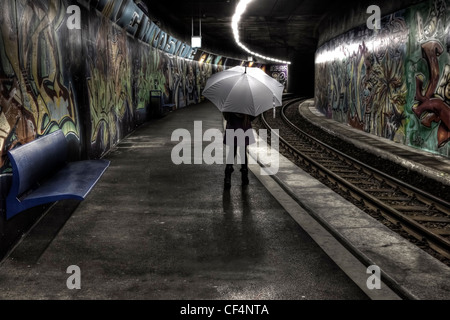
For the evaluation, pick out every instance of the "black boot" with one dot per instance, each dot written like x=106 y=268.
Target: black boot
x=244 y=171
x=228 y=171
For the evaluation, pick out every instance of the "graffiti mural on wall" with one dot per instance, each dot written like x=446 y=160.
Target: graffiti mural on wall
x=109 y=83
x=279 y=73
x=36 y=95
x=391 y=82
x=430 y=87
x=360 y=78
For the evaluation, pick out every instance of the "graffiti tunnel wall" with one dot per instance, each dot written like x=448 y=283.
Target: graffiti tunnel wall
x=94 y=82
x=393 y=82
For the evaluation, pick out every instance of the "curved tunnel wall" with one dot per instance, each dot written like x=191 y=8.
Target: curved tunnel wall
x=393 y=82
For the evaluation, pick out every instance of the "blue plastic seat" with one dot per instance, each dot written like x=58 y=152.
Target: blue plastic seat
x=41 y=174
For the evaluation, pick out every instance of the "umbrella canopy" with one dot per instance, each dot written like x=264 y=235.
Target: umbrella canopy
x=243 y=90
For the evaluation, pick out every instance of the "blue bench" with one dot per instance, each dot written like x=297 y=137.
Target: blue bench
x=159 y=107
x=41 y=174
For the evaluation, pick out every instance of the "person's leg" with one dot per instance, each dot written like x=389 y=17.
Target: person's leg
x=230 y=157
x=244 y=167
x=229 y=167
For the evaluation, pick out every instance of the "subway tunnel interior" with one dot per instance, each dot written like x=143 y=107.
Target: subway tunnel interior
x=93 y=78
x=284 y=29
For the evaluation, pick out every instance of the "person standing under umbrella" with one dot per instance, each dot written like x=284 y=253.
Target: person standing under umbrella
x=234 y=137
x=242 y=93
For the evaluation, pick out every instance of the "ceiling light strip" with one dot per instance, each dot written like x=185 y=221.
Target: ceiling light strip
x=240 y=9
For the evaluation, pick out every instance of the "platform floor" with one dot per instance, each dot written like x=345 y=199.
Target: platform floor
x=151 y=229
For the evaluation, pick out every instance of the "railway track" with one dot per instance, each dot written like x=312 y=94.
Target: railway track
x=420 y=214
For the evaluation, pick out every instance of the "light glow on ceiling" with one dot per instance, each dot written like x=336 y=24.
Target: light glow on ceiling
x=240 y=9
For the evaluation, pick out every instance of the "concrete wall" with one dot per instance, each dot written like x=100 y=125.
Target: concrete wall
x=392 y=82
x=346 y=16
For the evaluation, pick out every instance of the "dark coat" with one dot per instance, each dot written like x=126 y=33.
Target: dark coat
x=239 y=121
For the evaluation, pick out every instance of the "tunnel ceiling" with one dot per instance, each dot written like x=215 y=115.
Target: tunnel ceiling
x=273 y=27
x=276 y=28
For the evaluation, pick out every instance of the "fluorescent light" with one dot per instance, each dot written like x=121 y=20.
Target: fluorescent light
x=240 y=9
x=196 y=42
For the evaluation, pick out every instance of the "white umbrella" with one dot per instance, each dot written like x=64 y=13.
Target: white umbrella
x=243 y=90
